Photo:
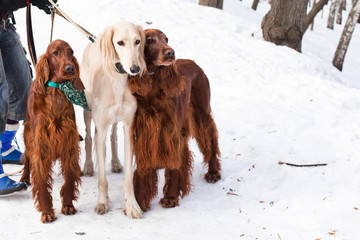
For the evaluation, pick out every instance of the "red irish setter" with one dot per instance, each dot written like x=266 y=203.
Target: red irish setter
x=50 y=131
x=173 y=105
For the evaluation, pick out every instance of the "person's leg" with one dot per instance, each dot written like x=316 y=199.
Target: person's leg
x=18 y=80
x=8 y=152
x=7 y=185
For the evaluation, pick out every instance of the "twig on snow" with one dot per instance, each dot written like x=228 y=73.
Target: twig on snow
x=303 y=165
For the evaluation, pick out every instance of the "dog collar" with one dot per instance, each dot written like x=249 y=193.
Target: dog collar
x=73 y=95
x=52 y=84
x=120 y=68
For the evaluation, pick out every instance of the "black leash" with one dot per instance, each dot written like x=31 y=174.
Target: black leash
x=30 y=36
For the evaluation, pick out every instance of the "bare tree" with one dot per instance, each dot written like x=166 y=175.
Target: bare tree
x=315 y=10
x=346 y=35
x=339 y=12
x=254 y=5
x=284 y=23
x=332 y=11
x=212 y=3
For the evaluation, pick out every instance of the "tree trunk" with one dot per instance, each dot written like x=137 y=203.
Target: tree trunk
x=284 y=23
x=346 y=35
x=315 y=10
x=333 y=7
x=212 y=3
x=254 y=5
x=339 y=12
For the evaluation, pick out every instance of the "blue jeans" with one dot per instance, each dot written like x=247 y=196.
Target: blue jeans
x=15 y=76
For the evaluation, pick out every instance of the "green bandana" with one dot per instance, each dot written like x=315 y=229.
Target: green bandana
x=73 y=95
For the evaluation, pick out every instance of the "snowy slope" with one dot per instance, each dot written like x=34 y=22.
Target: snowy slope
x=270 y=104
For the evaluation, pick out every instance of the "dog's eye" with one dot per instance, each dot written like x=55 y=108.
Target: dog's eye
x=121 y=43
x=137 y=42
x=149 y=41
x=167 y=40
x=55 y=53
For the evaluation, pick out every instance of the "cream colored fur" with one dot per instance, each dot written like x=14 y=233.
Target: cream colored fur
x=111 y=102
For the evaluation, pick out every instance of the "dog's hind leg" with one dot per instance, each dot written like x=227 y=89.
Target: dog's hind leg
x=71 y=172
x=29 y=146
x=115 y=162
x=25 y=178
x=88 y=166
x=206 y=135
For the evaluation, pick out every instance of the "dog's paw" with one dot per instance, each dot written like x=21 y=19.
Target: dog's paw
x=88 y=172
x=101 y=208
x=212 y=177
x=68 y=210
x=133 y=210
x=48 y=217
x=116 y=167
x=169 y=202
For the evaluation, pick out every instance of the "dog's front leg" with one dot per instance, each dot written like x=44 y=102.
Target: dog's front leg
x=71 y=171
x=100 y=136
x=132 y=207
x=42 y=185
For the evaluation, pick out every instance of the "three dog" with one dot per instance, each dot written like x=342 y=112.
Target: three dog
x=160 y=107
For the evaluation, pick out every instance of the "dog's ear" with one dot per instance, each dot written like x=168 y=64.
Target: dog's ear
x=171 y=82
x=141 y=50
x=77 y=81
x=140 y=85
x=42 y=70
x=107 y=49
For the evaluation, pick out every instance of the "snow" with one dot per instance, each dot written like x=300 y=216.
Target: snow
x=270 y=104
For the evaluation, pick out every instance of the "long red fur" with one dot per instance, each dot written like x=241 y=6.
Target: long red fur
x=50 y=133
x=173 y=105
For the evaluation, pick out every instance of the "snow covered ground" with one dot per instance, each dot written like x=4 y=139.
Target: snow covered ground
x=270 y=104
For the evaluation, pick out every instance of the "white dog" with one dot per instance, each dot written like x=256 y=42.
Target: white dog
x=106 y=64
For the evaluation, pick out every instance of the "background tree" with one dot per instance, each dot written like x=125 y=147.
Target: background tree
x=284 y=23
x=346 y=35
x=315 y=10
x=333 y=6
x=212 y=3
x=340 y=8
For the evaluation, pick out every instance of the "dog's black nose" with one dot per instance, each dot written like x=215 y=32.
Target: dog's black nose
x=170 y=53
x=135 y=69
x=69 y=68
